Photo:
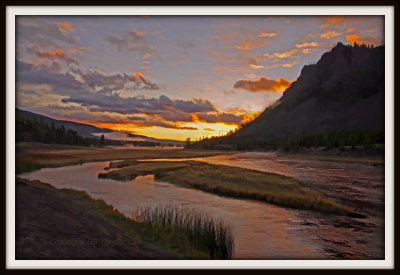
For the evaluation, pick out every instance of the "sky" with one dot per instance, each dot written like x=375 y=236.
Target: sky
x=171 y=77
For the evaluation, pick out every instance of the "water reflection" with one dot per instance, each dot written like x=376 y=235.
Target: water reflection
x=262 y=231
x=356 y=184
x=353 y=183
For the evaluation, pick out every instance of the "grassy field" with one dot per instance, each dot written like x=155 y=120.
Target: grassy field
x=33 y=156
x=232 y=182
x=67 y=224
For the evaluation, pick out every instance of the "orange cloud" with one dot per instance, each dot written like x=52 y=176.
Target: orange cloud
x=55 y=53
x=330 y=34
x=269 y=55
x=354 y=38
x=75 y=51
x=307 y=44
x=140 y=33
x=286 y=53
x=331 y=20
x=78 y=50
x=138 y=74
x=254 y=66
x=65 y=26
x=307 y=51
x=263 y=84
x=146 y=56
x=267 y=34
x=287 y=65
x=248 y=45
x=308 y=36
x=349 y=29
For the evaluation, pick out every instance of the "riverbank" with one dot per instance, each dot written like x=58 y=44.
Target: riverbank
x=221 y=180
x=374 y=156
x=48 y=155
x=33 y=156
x=232 y=182
x=67 y=224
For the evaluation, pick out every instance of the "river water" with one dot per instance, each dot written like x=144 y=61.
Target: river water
x=262 y=231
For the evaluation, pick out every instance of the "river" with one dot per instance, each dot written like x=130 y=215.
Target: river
x=262 y=231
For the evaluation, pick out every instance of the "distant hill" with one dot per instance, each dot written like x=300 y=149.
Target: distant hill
x=83 y=130
x=139 y=140
x=150 y=139
x=90 y=131
x=343 y=92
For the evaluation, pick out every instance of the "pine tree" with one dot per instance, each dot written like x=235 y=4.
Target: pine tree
x=102 y=140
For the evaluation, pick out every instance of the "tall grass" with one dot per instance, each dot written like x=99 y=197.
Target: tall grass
x=201 y=230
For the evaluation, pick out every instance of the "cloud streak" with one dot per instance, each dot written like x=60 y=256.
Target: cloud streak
x=307 y=45
x=65 y=27
x=45 y=34
x=263 y=84
x=267 y=34
x=286 y=54
x=248 y=45
x=330 y=34
x=130 y=41
x=331 y=20
x=221 y=117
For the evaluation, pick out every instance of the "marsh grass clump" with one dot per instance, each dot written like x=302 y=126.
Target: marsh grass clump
x=202 y=231
x=235 y=182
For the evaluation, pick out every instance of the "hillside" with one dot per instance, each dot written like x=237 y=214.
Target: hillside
x=84 y=130
x=92 y=132
x=344 y=90
x=341 y=95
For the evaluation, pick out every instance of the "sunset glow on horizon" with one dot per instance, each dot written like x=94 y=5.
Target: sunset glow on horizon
x=171 y=77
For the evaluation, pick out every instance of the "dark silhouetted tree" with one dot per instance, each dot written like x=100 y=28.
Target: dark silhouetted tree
x=187 y=143
x=102 y=140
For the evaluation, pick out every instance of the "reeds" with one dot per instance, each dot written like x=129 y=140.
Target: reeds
x=201 y=230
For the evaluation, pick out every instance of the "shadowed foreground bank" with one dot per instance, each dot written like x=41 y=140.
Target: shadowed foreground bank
x=67 y=224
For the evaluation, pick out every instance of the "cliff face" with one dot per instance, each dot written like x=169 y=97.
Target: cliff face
x=344 y=90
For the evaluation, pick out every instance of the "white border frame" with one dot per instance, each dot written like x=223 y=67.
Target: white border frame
x=387 y=263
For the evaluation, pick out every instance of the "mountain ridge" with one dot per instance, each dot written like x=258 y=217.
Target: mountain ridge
x=343 y=92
